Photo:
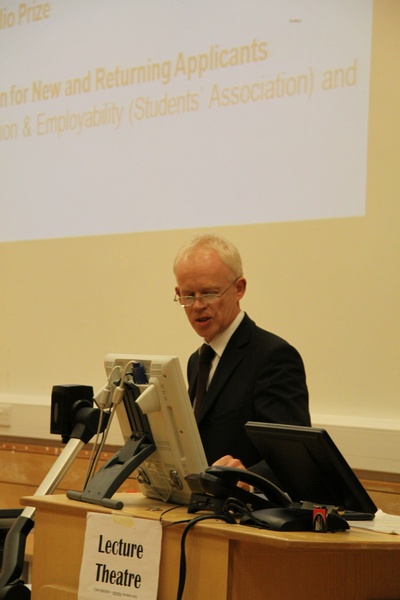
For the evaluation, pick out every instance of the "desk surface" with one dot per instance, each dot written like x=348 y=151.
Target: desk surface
x=235 y=561
x=137 y=505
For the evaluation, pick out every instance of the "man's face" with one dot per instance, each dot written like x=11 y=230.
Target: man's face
x=203 y=272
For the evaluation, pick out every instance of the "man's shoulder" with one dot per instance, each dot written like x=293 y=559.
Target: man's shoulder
x=264 y=347
x=249 y=332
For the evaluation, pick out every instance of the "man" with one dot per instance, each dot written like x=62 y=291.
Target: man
x=255 y=375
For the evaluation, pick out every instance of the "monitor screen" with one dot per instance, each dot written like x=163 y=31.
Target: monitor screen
x=309 y=466
x=166 y=407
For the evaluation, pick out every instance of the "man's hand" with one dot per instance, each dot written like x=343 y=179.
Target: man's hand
x=230 y=461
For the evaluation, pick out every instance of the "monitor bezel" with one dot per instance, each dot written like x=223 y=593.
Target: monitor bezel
x=173 y=427
x=315 y=460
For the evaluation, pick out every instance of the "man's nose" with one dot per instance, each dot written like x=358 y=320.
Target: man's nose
x=199 y=301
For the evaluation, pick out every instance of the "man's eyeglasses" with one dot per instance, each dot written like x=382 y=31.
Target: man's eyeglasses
x=186 y=301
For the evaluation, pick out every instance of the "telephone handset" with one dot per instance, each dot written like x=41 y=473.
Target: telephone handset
x=221 y=483
x=232 y=476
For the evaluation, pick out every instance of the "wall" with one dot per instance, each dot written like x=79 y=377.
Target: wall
x=330 y=287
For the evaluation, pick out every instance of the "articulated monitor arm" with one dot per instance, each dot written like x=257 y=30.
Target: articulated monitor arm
x=86 y=426
x=113 y=474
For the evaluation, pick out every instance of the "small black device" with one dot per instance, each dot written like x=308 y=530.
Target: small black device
x=66 y=400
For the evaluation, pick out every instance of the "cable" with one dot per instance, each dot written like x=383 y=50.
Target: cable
x=96 y=450
x=107 y=397
x=231 y=510
x=103 y=438
x=238 y=510
x=119 y=389
x=167 y=510
x=182 y=566
x=102 y=398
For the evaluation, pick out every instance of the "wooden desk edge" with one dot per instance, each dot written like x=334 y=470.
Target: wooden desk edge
x=136 y=505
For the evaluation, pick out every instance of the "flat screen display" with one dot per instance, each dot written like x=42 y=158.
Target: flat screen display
x=309 y=466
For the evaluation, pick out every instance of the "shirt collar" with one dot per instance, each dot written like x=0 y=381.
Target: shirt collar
x=220 y=342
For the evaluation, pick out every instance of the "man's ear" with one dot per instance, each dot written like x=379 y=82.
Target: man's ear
x=241 y=285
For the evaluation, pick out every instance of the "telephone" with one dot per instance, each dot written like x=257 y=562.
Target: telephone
x=212 y=487
x=269 y=507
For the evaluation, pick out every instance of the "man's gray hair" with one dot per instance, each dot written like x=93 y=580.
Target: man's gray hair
x=227 y=252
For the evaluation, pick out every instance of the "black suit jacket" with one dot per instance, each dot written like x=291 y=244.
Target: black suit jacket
x=260 y=377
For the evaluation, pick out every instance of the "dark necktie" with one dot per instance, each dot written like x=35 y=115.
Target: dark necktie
x=205 y=360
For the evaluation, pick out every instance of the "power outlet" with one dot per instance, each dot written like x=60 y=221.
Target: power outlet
x=5 y=415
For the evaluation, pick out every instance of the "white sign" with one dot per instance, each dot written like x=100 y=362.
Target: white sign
x=121 y=558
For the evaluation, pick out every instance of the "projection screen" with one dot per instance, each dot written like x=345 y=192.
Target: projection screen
x=145 y=115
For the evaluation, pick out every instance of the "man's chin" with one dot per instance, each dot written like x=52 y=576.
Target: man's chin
x=203 y=328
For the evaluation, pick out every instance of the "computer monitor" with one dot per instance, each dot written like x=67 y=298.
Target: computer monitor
x=309 y=466
x=166 y=409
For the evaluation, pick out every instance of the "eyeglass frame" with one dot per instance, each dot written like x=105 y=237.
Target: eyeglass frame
x=203 y=297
